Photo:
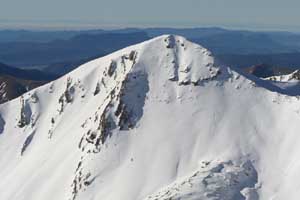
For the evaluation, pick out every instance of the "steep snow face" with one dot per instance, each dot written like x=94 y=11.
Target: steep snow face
x=158 y=120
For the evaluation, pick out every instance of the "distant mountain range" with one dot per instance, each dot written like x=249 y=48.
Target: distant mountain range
x=265 y=70
x=288 y=60
x=218 y=39
x=41 y=54
x=39 y=36
x=14 y=82
x=29 y=74
x=59 y=52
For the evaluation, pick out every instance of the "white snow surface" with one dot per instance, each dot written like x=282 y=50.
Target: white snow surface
x=155 y=121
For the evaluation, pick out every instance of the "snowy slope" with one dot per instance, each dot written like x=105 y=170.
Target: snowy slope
x=289 y=82
x=156 y=121
x=293 y=77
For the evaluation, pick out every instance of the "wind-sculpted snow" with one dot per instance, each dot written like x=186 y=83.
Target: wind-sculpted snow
x=214 y=180
x=157 y=120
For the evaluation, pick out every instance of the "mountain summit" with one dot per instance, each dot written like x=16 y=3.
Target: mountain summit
x=159 y=120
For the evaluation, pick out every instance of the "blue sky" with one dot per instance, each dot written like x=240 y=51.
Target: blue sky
x=252 y=14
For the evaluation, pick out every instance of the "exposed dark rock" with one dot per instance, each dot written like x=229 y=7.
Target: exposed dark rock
x=52 y=120
x=170 y=40
x=2 y=125
x=67 y=96
x=131 y=100
x=34 y=98
x=132 y=56
x=112 y=68
x=296 y=75
x=97 y=89
x=184 y=82
x=27 y=142
x=105 y=127
x=25 y=113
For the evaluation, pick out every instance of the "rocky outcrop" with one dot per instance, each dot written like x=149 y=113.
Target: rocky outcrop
x=25 y=113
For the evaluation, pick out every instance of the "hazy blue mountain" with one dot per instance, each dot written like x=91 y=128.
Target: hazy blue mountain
x=187 y=32
x=64 y=67
x=223 y=41
x=32 y=74
x=265 y=70
x=59 y=52
x=289 y=60
x=15 y=82
x=243 y=43
x=28 y=54
x=40 y=36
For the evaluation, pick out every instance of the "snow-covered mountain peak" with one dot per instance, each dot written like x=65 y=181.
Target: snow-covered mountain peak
x=157 y=120
x=173 y=57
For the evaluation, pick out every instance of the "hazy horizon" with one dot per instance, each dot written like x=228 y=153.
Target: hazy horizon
x=65 y=26
x=274 y=15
